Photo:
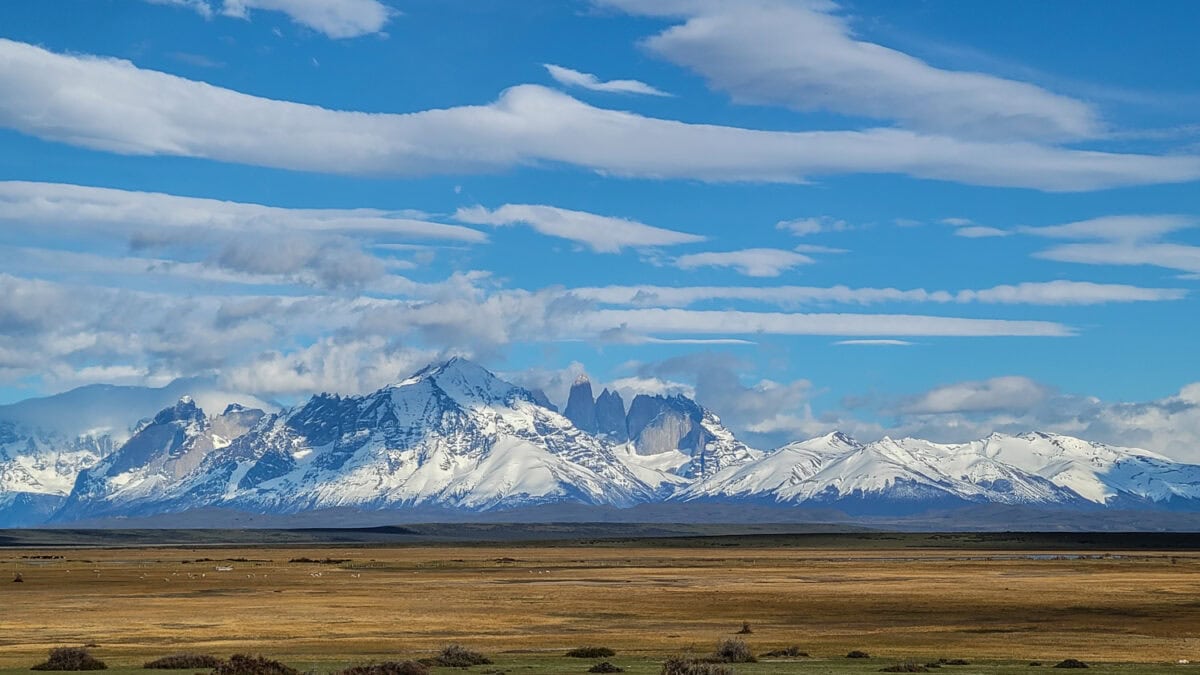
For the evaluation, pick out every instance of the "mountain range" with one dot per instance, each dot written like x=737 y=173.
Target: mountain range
x=456 y=438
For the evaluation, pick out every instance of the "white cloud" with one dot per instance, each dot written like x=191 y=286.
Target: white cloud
x=1057 y=292
x=998 y=393
x=603 y=234
x=343 y=366
x=980 y=232
x=752 y=262
x=51 y=205
x=731 y=322
x=574 y=78
x=111 y=105
x=1116 y=228
x=802 y=55
x=335 y=18
x=802 y=227
x=1122 y=240
x=200 y=7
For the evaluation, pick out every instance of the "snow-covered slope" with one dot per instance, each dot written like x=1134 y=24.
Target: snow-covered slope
x=453 y=435
x=46 y=442
x=1030 y=469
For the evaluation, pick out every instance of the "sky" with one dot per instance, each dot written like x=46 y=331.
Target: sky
x=921 y=218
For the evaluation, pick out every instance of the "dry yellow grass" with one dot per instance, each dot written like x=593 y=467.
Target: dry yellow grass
x=143 y=603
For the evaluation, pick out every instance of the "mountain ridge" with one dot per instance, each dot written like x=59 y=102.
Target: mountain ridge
x=455 y=436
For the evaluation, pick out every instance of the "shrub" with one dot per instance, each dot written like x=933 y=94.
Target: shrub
x=70 y=658
x=734 y=651
x=786 y=652
x=457 y=656
x=933 y=664
x=1035 y=664
x=858 y=654
x=678 y=665
x=387 y=668
x=240 y=664
x=18 y=579
x=746 y=630
x=183 y=662
x=591 y=653
x=954 y=662
x=605 y=667
x=904 y=668
x=1070 y=663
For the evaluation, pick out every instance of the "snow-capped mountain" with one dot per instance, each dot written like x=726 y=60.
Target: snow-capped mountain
x=1029 y=469
x=46 y=442
x=454 y=436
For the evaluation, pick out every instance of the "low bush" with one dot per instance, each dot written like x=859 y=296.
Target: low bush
x=591 y=653
x=387 y=668
x=733 y=651
x=786 y=652
x=678 y=665
x=70 y=658
x=746 y=630
x=605 y=667
x=904 y=668
x=240 y=664
x=1070 y=663
x=858 y=654
x=183 y=662
x=954 y=662
x=457 y=656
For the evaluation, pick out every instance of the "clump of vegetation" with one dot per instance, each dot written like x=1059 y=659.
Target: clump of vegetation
x=1070 y=663
x=322 y=561
x=183 y=662
x=457 y=656
x=933 y=664
x=18 y=579
x=954 y=662
x=591 y=653
x=905 y=668
x=387 y=668
x=605 y=667
x=785 y=653
x=746 y=630
x=858 y=654
x=1035 y=664
x=70 y=658
x=240 y=664
x=678 y=665
x=733 y=651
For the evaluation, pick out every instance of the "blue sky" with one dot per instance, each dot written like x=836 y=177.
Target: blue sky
x=919 y=218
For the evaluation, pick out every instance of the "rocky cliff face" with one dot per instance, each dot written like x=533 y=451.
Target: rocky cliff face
x=581 y=407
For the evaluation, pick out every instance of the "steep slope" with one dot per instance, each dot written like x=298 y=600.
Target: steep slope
x=46 y=442
x=453 y=435
x=581 y=407
x=673 y=441
x=150 y=465
x=1100 y=473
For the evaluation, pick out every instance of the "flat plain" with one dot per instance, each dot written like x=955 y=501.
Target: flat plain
x=322 y=607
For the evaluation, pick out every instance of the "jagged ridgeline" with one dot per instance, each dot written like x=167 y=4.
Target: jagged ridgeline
x=455 y=436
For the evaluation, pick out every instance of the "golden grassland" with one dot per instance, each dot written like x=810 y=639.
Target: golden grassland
x=528 y=604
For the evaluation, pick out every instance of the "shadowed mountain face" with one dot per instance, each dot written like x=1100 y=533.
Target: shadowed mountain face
x=456 y=439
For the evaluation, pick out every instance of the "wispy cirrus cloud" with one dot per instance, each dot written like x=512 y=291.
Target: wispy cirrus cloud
x=805 y=55
x=1048 y=293
x=117 y=107
x=603 y=234
x=334 y=18
x=575 y=78
x=1122 y=240
x=752 y=262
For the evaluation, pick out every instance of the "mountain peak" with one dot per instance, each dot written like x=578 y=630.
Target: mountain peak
x=185 y=410
x=582 y=379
